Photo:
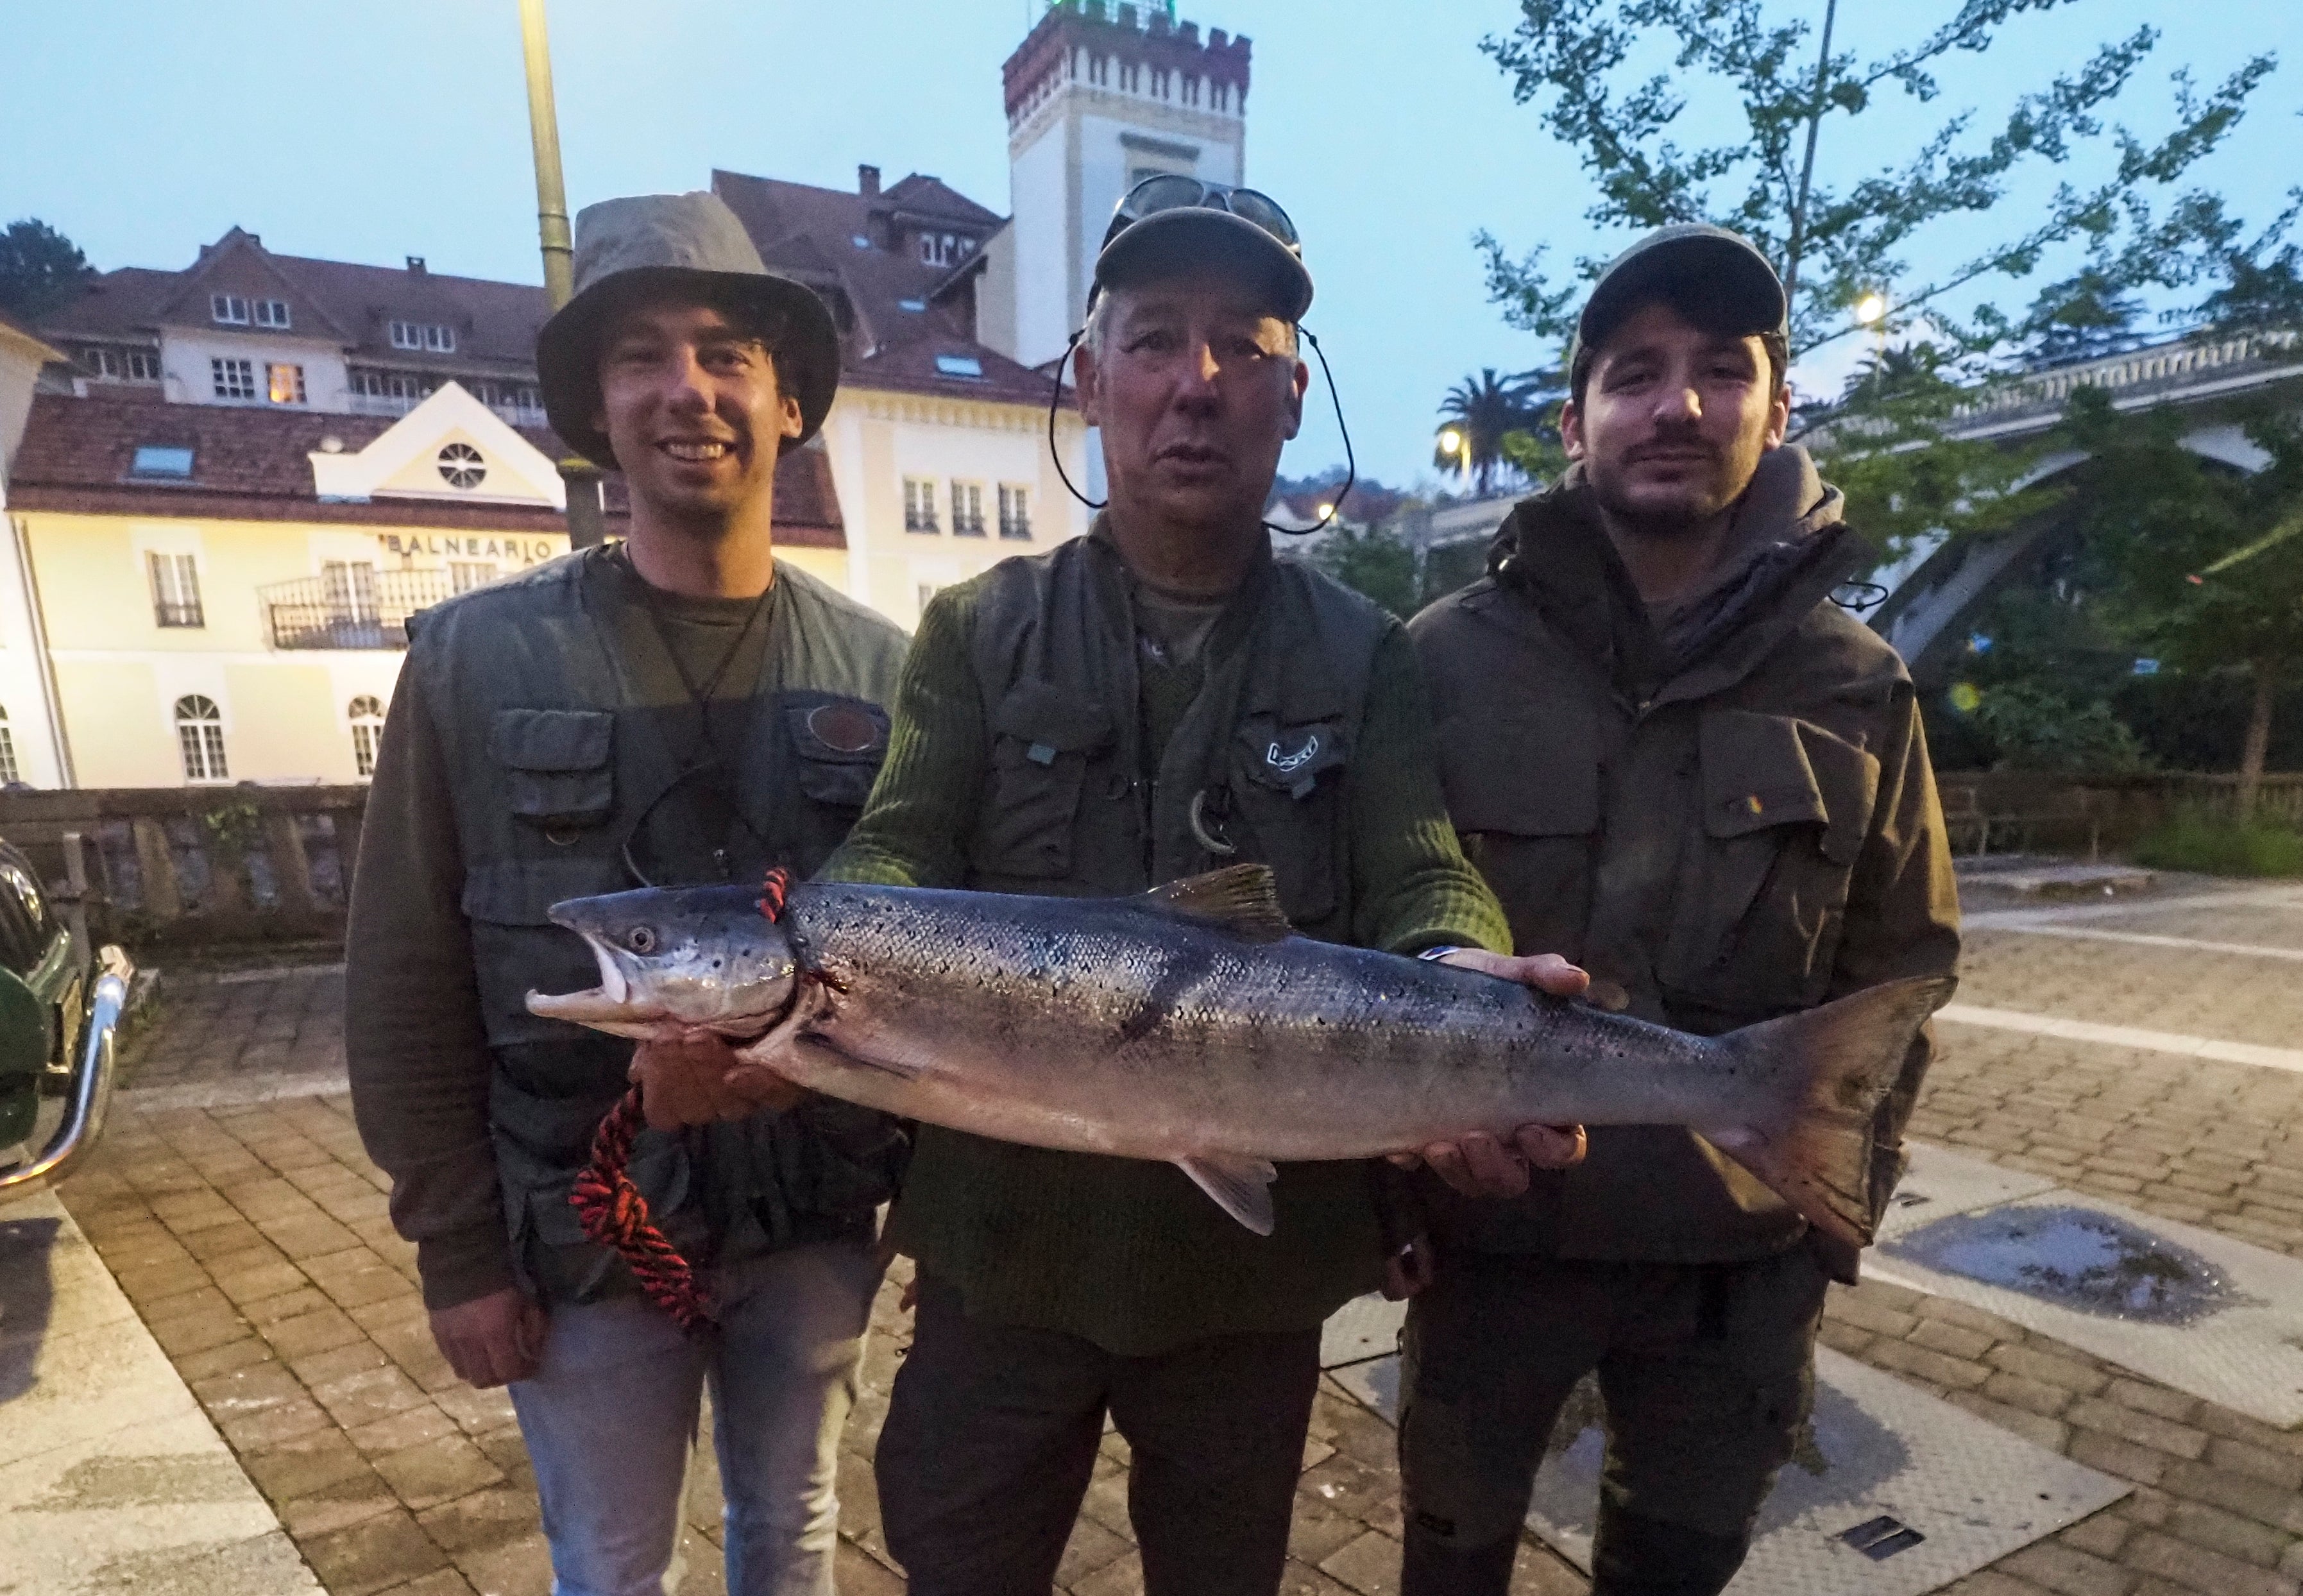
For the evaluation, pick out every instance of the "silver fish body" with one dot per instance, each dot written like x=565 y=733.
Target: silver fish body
x=1187 y=1026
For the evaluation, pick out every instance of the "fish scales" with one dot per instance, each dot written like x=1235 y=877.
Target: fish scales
x=1188 y=1024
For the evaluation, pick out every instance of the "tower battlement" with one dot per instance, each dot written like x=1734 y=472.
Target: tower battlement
x=1130 y=50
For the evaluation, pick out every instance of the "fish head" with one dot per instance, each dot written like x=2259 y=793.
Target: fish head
x=676 y=960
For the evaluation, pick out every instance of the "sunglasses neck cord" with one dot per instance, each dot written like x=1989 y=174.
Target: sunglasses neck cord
x=1351 y=461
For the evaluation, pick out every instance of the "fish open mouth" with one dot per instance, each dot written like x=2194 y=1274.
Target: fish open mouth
x=613 y=987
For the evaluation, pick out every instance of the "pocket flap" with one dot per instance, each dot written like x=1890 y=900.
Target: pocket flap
x=1043 y=715
x=522 y=891
x=552 y=739
x=1291 y=758
x=1520 y=781
x=831 y=729
x=1762 y=770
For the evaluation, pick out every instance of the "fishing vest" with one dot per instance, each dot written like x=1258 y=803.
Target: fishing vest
x=1126 y=1253
x=552 y=688
x=1256 y=768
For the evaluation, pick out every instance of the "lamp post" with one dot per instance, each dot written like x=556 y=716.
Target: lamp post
x=586 y=524
x=1457 y=442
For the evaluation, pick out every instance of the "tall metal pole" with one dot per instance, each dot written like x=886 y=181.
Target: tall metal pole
x=586 y=523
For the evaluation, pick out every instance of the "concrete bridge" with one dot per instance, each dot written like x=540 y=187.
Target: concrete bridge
x=1936 y=588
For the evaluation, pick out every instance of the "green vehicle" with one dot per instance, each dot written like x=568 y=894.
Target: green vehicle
x=59 y=1005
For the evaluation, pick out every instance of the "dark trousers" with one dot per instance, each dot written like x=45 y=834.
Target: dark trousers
x=992 y=1435
x=1706 y=1373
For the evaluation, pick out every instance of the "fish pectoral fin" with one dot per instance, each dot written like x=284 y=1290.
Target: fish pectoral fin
x=1242 y=899
x=1241 y=1186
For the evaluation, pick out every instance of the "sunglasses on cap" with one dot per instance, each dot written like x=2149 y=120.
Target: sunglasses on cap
x=1173 y=190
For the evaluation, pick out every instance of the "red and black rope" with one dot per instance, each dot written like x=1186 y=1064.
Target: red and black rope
x=610 y=1206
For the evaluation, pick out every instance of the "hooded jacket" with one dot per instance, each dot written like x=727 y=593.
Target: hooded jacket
x=1723 y=809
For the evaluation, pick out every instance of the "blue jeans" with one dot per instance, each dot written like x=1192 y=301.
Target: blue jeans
x=611 y=1415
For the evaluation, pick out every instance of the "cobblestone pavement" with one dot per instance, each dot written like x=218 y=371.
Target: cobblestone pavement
x=252 y=1239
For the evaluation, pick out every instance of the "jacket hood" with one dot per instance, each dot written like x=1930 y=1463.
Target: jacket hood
x=1787 y=547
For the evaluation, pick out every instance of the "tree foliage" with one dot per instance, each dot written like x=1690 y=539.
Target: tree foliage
x=1487 y=410
x=1837 y=234
x=39 y=268
x=1374 y=562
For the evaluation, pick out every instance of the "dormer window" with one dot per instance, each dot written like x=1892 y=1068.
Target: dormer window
x=428 y=336
x=228 y=309
x=162 y=461
x=913 y=305
x=967 y=365
x=272 y=313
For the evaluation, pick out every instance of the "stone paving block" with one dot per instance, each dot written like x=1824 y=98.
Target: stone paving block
x=2057 y=1368
x=2067 y=1570
x=303 y=1464
x=2277 y=1468
x=409 y=1427
x=2228 y=1533
x=478 y=1413
x=219 y=1360
x=2121 y=1459
x=320 y=1331
x=1369 y=1564
x=2143 y=1429
x=365 y=1558
x=436 y=1471
x=362 y=1399
x=352 y=1358
x=259 y=1281
x=447 y=1582
x=2195 y=1568
x=2102 y=1534
x=288 y=1305
x=250 y=1432
x=482 y=1521
x=337 y=1505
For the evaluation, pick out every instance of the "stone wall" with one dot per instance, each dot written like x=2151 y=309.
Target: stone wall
x=1993 y=811
x=178 y=866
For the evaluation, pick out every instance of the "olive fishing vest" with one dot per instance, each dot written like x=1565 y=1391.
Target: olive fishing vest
x=1256 y=766
x=1128 y=1254
x=552 y=689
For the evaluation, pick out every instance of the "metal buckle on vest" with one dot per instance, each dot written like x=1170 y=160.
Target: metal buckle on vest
x=1200 y=832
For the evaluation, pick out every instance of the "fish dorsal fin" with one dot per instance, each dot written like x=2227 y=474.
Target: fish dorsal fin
x=1242 y=899
x=1241 y=1186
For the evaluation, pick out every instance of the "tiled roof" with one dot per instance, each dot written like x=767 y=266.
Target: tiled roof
x=254 y=464
x=811 y=233
x=494 y=323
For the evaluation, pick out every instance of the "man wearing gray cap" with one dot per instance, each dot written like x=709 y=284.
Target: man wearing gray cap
x=1153 y=700
x=1681 y=766
x=680 y=708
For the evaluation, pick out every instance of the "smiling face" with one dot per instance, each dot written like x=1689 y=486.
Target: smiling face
x=691 y=405
x=1671 y=421
x=1197 y=389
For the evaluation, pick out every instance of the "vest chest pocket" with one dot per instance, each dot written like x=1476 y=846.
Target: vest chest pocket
x=1042 y=741
x=559 y=767
x=1786 y=805
x=1288 y=784
x=840 y=744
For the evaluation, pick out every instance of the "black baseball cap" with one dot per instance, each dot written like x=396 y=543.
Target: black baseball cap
x=1719 y=276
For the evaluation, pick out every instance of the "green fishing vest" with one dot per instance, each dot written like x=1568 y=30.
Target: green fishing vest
x=1128 y=1253
x=551 y=688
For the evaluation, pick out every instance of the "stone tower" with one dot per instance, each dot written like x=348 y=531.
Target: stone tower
x=1100 y=96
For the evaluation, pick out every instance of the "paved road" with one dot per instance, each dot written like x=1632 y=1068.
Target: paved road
x=253 y=1240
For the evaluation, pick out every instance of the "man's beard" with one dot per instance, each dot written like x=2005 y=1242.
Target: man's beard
x=1687 y=509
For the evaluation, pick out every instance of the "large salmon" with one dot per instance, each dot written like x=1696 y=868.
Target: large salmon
x=1189 y=1023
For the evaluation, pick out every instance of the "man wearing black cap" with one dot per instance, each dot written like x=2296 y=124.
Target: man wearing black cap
x=1153 y=700
x=676 y=709
x=1681 y=766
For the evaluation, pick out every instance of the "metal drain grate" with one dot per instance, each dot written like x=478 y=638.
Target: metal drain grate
x=1881 y=1538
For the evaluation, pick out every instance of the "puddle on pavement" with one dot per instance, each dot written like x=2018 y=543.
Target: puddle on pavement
x=2076 y=1259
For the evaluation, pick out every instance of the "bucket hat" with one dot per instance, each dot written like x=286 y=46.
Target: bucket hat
x=628 y=248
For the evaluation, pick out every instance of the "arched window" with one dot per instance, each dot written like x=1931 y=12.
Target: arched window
x=9 y=776
x=366 y=714
x=200 y=736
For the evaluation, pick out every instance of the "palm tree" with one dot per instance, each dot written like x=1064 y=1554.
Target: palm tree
x=1480 y=410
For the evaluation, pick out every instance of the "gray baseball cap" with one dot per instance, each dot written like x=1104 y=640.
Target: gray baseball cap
x=1721 y=274
x=628 y=248
x=1173 y=223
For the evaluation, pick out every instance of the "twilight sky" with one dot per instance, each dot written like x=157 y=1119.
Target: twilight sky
x=371 y=130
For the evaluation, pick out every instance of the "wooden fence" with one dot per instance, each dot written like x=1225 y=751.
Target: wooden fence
x=1993 y=811
x=177 y=865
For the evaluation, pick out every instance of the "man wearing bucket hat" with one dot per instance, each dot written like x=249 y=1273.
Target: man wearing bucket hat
x=1680 y=764
x=1156 y=699
x=679 y=708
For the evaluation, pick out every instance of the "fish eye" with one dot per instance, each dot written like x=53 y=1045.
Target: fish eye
x=640 y=939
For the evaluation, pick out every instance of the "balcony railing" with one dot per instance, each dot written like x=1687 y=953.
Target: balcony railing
x=313 y=613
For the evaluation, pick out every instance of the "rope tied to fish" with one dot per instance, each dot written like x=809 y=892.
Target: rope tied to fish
x=614 y=1214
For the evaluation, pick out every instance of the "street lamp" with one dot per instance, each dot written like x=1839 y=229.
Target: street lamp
x=585 y=526
x=1871 y=310
x=1457 y=443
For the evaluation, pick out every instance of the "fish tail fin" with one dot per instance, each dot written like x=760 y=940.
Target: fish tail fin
x=1837 y=1063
